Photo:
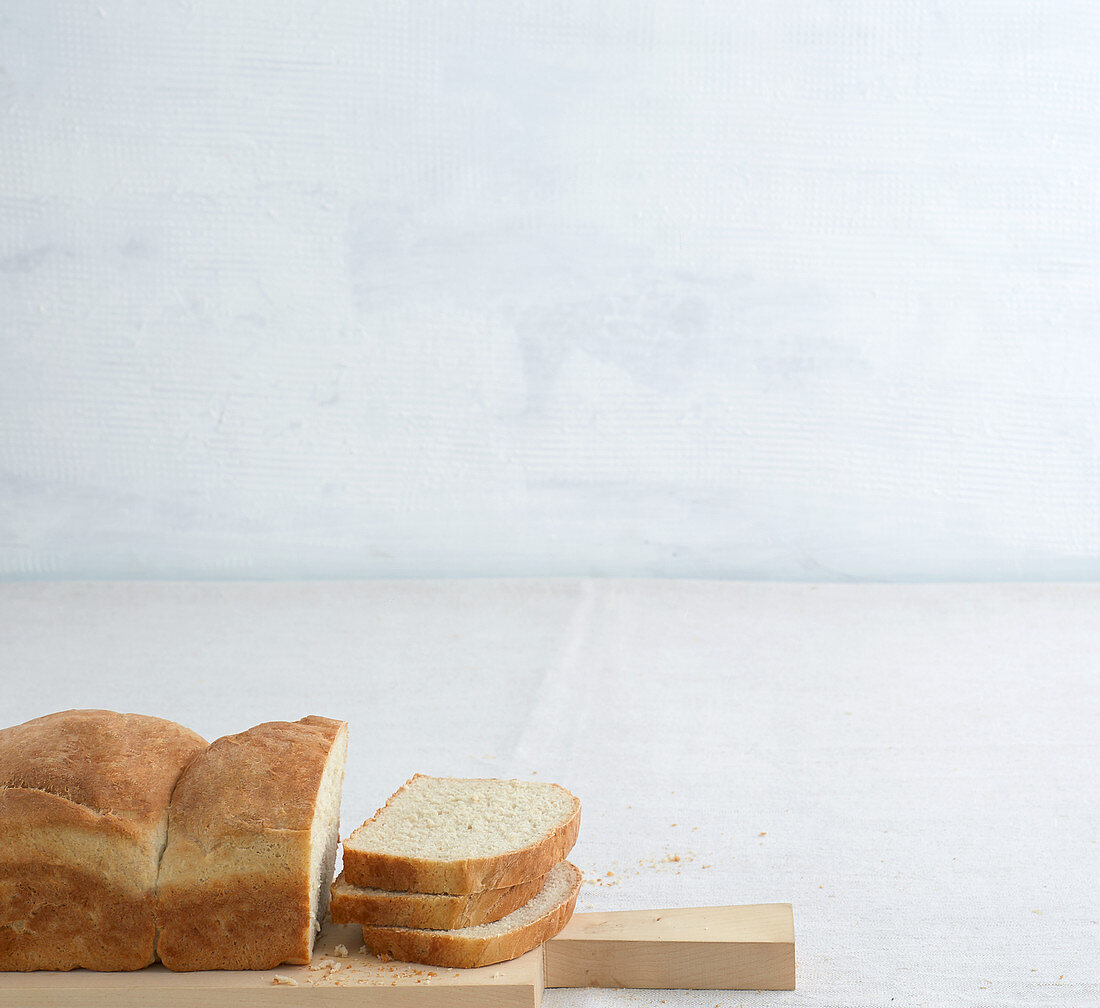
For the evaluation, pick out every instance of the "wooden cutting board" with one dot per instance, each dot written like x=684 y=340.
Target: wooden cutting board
x=702 y=948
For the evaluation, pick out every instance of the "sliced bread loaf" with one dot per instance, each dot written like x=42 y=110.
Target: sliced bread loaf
x=356 y=905
x=83 y=818
x=252 y=835
x=511 y=936
x=458 y=836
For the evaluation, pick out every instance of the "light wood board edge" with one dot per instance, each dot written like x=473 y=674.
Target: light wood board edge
x=723 y=948
x=700 y=948
x=331 y=981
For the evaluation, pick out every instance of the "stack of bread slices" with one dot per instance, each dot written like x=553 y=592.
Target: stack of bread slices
x=461 y=872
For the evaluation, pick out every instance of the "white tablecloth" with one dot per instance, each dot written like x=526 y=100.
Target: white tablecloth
x=915 y=768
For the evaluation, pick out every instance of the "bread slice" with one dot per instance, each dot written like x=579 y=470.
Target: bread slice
x=355 y=905
x=511 y=936
x=83 y=818
x=252 y=835
x=456 y=835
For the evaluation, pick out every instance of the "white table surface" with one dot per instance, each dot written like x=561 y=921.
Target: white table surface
x=915 y=768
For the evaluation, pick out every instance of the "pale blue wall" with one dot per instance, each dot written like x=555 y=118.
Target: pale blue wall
x=799 y=290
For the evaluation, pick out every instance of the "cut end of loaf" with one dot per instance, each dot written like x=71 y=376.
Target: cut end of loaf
x=325 y=832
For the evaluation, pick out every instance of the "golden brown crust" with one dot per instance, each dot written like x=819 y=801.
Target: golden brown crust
x=243 y=923
x=83 y=812
x=24 y=809
x=351 y=905
x=60 y=918
x=125 y=764
x=457 y=951
x=234 y=884
x=370 y=869
x=265 y=778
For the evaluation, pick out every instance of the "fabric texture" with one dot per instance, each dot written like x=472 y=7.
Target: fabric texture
x=915 y=768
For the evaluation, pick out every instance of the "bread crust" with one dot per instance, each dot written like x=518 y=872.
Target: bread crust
x=63 y=918
x=353 y=905
x=245 y=923
x=371 y=869
x=125 y=765
x=83 y=815
x=458 y=951
x=234 y=884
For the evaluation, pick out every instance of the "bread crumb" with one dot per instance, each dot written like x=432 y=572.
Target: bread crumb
x=385 y=957
x=497 y=976
x=341 y=951
x=281 y=978
x=362 y=949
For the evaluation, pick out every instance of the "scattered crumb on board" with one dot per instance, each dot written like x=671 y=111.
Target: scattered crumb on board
x=282 y=978
x=341 y=950
x=327 y=971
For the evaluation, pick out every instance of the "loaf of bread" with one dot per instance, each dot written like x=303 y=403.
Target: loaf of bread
x=511 y=936
x=252 y=837
x=458 y=836
x=84 y=798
